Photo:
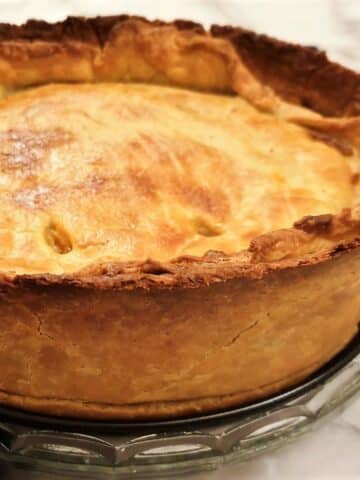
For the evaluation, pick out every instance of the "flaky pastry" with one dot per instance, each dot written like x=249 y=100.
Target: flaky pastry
x=179 y=223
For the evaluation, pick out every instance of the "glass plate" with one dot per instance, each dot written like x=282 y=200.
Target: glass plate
x=83 y=449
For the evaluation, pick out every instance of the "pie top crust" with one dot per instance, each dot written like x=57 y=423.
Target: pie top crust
x=171 y=157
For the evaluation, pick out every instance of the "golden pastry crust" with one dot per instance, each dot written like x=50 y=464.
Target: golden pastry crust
x=182 y=54
x=105 y=173
x=163 y=53
x=158 y=271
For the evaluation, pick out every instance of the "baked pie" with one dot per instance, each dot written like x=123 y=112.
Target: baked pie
x=179 y=229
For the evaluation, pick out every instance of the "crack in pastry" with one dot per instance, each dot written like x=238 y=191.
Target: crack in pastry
x=57 y=238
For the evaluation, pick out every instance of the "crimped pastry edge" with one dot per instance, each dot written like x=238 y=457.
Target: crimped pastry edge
x=299 y=74
x=313 y=240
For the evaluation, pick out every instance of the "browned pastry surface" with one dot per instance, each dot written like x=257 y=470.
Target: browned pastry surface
x=105 y=173
x=147 y=158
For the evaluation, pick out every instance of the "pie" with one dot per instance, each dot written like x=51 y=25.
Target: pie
x=179 y=229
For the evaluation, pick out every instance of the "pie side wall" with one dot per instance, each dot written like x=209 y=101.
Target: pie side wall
x=174 y=352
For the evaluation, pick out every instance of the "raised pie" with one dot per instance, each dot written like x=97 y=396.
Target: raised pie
x=179 y=230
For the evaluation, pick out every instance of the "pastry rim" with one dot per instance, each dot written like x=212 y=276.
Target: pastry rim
x=275 y=250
